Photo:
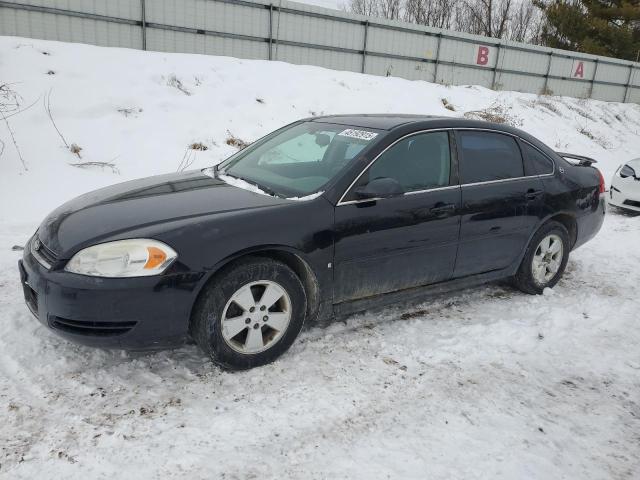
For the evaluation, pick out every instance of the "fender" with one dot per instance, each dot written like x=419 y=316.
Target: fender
x=513 y=268
x=314 y=287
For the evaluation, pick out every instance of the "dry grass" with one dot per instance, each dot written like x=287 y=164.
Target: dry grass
x=236 y=142
x=496 y=114
x=447 y=105
x=543 y=103
x=201 y=147
x=127 y=112
x=75 y=149
x=101 y=165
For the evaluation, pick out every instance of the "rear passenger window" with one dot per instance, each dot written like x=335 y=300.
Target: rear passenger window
x=537 y=161
x=489 y=156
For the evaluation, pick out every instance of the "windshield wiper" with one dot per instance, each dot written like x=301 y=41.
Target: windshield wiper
x=266 y=190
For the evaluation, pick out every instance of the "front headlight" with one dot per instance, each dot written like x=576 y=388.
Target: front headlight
x=123 y=258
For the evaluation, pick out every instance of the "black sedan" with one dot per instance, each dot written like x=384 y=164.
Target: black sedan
x=322 y=218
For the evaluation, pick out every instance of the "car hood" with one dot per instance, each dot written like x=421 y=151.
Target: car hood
x=635 y=163
x=112 y=211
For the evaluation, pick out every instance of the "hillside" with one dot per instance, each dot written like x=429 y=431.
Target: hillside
x=136 y=113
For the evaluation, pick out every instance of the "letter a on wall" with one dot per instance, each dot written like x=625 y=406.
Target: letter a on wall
x=578 y=70
x=482 y=57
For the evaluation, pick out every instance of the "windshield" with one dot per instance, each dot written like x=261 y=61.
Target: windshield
x=299 y=160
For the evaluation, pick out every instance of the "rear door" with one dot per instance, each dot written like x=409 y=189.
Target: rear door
x=409 y=240
x=499 y=201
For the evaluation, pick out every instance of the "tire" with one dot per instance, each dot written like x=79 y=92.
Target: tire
x=224 y=307
x=530 y=279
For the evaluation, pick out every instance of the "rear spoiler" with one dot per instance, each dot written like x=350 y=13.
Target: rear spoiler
x=582 y=160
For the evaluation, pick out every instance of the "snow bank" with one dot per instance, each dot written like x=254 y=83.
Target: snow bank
x=139 y=113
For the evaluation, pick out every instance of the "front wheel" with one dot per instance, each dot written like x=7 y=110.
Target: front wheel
x=250 y=314
x=545 y=260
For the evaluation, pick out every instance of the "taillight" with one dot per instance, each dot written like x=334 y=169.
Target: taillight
x=602 y=185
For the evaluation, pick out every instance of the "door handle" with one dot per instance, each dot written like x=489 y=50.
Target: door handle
x=533 y=194
x=443 y=208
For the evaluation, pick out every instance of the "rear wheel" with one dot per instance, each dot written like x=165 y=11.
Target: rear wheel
x=545 y=260
x=249 y=314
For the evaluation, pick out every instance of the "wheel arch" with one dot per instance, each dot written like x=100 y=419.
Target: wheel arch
x=569 y=222
x=291 y=257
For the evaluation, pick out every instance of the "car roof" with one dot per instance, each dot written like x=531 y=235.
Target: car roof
x=391 y=121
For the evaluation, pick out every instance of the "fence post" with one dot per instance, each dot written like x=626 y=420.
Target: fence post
x=435 y=70
x=270 y=30
x=545 y=89
x=364 y=46
x=593 y=79
x=144 y=24
x=626 y=90
x=495 y=69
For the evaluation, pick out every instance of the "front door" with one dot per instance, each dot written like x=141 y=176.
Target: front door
x=408 y=240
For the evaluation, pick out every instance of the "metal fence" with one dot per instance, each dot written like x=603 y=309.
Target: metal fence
x=303 y=34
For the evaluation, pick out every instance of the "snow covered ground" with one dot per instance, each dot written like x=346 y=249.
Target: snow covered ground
x=485 y=383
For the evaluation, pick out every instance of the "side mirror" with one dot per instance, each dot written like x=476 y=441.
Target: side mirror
x=383 y=187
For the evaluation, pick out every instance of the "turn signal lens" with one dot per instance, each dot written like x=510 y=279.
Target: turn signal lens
x=138 y=257
x=156 y=257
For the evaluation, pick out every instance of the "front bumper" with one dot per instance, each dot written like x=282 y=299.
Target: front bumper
x=139 y=313
x=621 y=199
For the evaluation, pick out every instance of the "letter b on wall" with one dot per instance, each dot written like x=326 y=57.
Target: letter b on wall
x=483 y=55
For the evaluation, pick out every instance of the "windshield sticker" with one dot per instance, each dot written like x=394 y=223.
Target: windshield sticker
x=359 y=134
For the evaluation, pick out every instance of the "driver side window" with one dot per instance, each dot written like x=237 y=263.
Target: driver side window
x=418 y=162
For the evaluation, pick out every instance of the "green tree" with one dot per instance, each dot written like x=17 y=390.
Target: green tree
x=600 y=27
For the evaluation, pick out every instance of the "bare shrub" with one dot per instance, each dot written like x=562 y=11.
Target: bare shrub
x=10 y=102
x=189 y=155
x=187 y=160
x=236 y=142
x=175 y=82
x=47 y=108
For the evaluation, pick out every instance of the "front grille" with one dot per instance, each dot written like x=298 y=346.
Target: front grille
x=91 y=329
x=632 y=203
x=43 y=254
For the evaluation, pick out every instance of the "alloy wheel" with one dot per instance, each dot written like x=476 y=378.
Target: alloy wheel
x=547 y=259
x=256 y=316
